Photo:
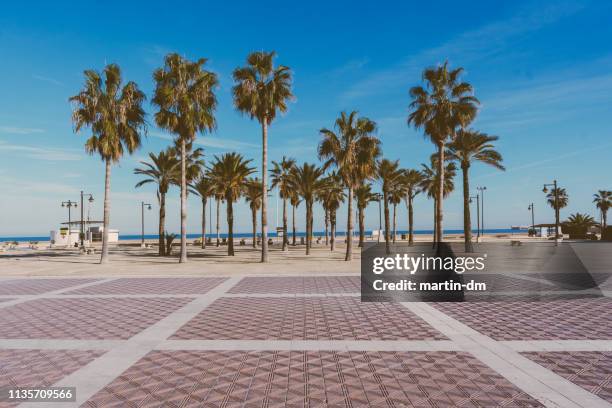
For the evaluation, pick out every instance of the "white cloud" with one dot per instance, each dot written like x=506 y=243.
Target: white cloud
x=211 y=141
x=42 y=153
x=20 y=130
x=47 y=79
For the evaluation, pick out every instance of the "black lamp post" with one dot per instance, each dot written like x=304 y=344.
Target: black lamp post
x=530 y=208
x=482 y=190
x=556 y=194
x=142 y=207
x=82 y=232
x=477 y=197
x=69 y=204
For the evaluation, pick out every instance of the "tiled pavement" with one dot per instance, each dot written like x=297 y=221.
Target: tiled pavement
x=297 y=341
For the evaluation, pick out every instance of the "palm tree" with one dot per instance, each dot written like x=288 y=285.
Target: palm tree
x=389 y=174
x=603 y=202
x=281 y=173
x=578 y=225
x=307 y=181
x=186 y=100
x=295 y=200
x=395 y=197
x=205 y=188
x=331 y=196
x=472 y=146
x=115 y=117
x=411 y=182
x=561 y=202
x=260 y=91
x=353 y=150
x=431 y=181
x=252 y=194
x=363 y=196
x=163 y=170
x=230 y=171
x=443 y=105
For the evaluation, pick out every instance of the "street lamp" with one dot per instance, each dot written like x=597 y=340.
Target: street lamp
x=477 y=197
x=142 y=207
x=69 y=204
x=82 y=232
x=482 y=190
x=556 y=194
x=379 y=197
x=530 y=208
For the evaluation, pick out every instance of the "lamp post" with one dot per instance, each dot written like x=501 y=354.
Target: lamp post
x=142 y=207
x=530 y=208
x=380 y=197
x=82 y=230
x=556 y=194
x=477 y=197
x=69 y=204
x=482 y=190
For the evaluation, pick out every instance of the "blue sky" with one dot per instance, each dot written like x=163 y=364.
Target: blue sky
x=542 y=70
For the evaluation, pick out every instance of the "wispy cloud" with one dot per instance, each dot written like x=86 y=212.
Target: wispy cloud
x=41 y=153
x=484 y=43
x=212 y=141
x=47 y=79
x=15 y=186
x=17 y=130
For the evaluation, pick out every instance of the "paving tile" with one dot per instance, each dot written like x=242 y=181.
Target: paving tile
x=34 y=286
x=591 y=370
x=306 y=318
x=298 y=284
x=309 y=379
x=91 y=318
x=40 y=368
x=502 y=283
x=577 y=319
x=151 y=286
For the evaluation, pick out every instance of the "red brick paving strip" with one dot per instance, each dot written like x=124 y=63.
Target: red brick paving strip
x=298 y=284
x=38 y=286
x=109 y=318
x=579 y=319
x=40 y=368
x=309 y=379
x=329 y=318
x=151 y=286
x=591 y=370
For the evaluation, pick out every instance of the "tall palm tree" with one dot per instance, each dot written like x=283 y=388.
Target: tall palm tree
x=431 y=181
x=440 y=108
x=472 y=146
x=331 y=196
x=353 y=149
x=281 y=172
x=411 y=182
x=184 y=95
x=115 y=117
x=561 y=202
x=295 y=200
x=363 y=196
x=252 y=194
x=395 y=197
x=389 y=174
x=603 y=202
x=163 y=170
x=231 y=171
x=205 y=188
x=307 y=181
x=261 y=91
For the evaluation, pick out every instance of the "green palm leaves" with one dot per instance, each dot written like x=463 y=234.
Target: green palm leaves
x=603 y=202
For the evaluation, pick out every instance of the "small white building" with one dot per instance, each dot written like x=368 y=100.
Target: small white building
x=70 y=235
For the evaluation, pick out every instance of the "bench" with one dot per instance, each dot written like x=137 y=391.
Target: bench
x=515 y=242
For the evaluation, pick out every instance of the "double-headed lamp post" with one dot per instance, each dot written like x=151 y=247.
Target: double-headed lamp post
x=531 y=208
x=482 y=190
x=69 y=204
x=82 y=229
x=556 y=194
x=142 y=208
x=477 y=198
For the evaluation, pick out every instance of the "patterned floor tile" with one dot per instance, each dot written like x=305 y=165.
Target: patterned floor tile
x=298 y=284
x=309 y=379
x=151 y=286
x=328 y=318
x=578 y=319
x=109 y=318
x=33 y=286
x=40 y=368
x=591 y=370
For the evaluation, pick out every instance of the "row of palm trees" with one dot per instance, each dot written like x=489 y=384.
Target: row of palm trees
x=602 y=200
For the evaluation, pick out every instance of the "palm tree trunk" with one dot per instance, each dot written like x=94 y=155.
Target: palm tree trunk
x=293 y=210
x=326 y=226
x=285 y=237
x=308 y=210
x=467 y=221
x=440 y=198
x=349 y=227
x=605 y=221
x=394 y=221
x=162 y=224
x=264 y=198
x=230 y=227
x=410 y=220
x=435 y=222
x=204 y=200
x=332 y=224
x=254 y=221
x=361 y=226
x=183 y=257
x=387 y=227
x=107 y=176
x=218 y=217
